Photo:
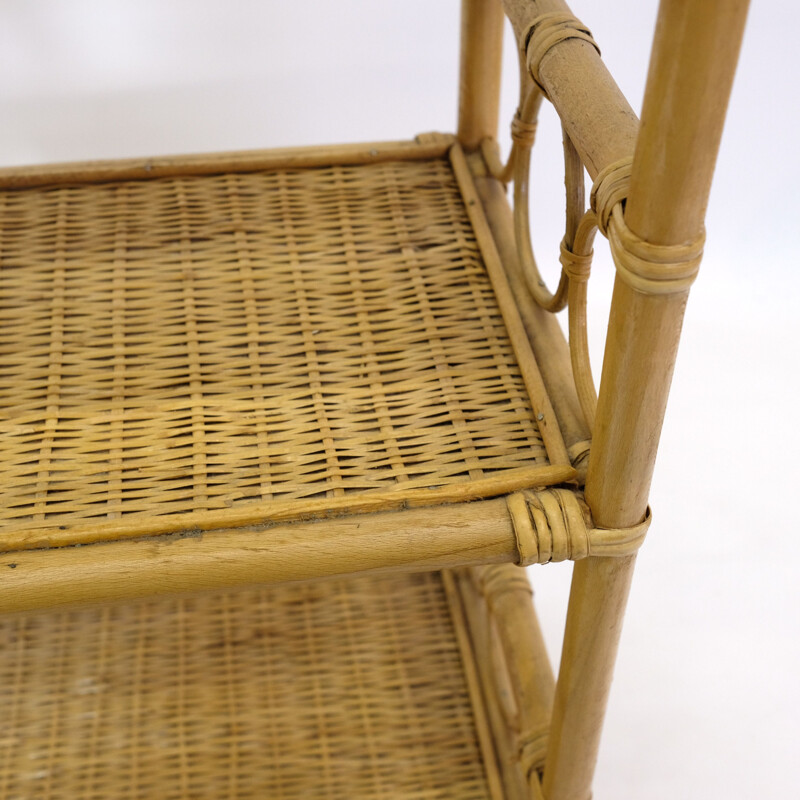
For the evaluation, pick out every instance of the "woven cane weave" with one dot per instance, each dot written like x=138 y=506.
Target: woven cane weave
x=199 y=343
x=335 y=690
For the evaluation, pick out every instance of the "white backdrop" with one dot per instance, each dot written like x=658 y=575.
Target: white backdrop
x=706 y=700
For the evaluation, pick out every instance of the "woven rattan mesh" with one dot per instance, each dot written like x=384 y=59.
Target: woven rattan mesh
x=334 y=690
x=198 y=343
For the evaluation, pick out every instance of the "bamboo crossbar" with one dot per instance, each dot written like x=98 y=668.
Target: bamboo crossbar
x=424 y=147
x=419 y=539
x=530 y=527
x=283 y=511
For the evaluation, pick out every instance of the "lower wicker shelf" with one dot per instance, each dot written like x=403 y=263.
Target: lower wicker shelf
x=337 y=689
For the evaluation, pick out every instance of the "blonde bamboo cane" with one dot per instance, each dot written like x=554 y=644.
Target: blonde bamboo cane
x=593 y=110
x=545 y=414
x=691 y=72
x=416 y=539
x=429 y=145
x=481 y=60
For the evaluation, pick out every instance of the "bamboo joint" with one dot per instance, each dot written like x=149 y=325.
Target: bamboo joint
x=555 y=525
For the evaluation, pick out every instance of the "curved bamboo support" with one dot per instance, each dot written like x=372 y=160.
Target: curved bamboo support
x=549 y=301
x=517 y=671
x=576 y=247
x=577 y=263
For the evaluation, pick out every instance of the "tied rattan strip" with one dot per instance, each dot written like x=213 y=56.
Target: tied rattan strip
x=217 y=344
x=533 y=750
x=651 y=268
x=523 y=133
x=610 y=188
x=548 y=30
x=647 y=268
x=554 y=525
x=577 y=266
x=344 y=689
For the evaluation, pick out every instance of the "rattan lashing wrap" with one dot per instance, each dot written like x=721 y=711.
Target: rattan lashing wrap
x=555 y=525
x=341 y=689
x=196 y=344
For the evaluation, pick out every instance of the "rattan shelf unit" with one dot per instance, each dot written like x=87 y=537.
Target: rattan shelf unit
x=223 y=372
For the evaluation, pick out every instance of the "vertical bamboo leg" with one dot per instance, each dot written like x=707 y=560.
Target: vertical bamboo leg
x=481 y=59
x=597 y=602
x=691 y=72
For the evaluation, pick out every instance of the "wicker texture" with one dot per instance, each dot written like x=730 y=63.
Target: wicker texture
x=195 y=344
x=334 y=690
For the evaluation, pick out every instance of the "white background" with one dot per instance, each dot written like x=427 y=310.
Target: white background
x=706 y=701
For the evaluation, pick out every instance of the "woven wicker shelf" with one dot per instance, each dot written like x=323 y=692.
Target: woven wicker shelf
x=204 y=351
x=341 y=689
x=305 y=411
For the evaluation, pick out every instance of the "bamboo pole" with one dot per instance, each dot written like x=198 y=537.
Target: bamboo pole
x=593 y=110
x=481 y=61
x=425 y=146
x=415 y=539
x=691 y=71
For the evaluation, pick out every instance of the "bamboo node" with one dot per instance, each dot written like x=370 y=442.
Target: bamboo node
x=654 y=269
x=555 y=525
x=548 y=30
x=609 y=189
x=577 y=267
x=532 y=749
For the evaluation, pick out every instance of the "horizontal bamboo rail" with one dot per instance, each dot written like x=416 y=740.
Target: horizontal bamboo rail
x=524 y=528
x=282 y=511
x=426 y=146
x=420 y=539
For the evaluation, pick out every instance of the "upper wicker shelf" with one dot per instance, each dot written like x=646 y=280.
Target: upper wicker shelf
x=240 y=341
